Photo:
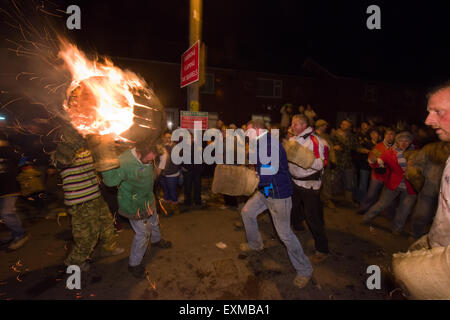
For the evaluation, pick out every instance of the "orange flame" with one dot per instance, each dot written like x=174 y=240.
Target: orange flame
x=100 y=97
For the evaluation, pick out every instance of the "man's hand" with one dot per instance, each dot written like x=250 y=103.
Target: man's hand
x=372 y=157
x=337 y=147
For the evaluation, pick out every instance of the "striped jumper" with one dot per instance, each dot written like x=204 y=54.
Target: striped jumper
x=80 y=182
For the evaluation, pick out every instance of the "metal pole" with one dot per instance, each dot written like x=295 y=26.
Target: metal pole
x=195 y=33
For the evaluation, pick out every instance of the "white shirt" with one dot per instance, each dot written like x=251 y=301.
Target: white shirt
x=317 y=165
x=439 y=235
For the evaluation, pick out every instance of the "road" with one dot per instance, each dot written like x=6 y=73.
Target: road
x=196 y=268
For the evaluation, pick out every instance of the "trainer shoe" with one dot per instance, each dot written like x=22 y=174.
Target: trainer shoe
x=137 y=271
x=163 y=244
x=18 y=243
x=246 y=248
x=301 y=282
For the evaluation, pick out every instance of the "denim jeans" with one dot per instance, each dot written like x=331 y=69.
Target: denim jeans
x=350 y=181
x=144 y=230
x=404 y=208
x=363 y=184
x=280 y=210
x=9 y=216
x=423 y=214
x=169 y=186
x=372 y=194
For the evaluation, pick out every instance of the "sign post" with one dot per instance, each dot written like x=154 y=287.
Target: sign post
x=188 y=119
x=190 y=64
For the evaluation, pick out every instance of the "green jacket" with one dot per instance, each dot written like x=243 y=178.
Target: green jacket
x=135 y=181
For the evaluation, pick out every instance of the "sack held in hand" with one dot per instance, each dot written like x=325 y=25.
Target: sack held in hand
x=298 y=154
x=424 y=274
x=234 y=180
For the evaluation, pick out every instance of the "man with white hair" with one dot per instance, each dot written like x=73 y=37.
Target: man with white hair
x=306 y=203
x=423 y=272
x=439 y=119
x=396 y=184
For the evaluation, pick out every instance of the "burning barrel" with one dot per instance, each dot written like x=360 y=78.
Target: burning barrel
x=102 y=110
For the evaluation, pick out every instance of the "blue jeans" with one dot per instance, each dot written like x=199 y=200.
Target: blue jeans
x=9 y=216
x=372 y=194
x=363 y=184
x=350 y=180
x=169 y=186
x=280 y=210
x=404 y=208
x=144 y=230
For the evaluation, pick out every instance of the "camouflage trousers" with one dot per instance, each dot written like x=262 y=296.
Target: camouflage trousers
x=92 y=222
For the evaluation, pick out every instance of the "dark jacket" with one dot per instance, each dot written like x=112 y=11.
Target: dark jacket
x=281 y=181
x=171 y=168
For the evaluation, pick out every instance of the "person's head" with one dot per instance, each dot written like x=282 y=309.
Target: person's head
x=301 y=109
x=299 y=124
x=167 y=138
x=374 y=135
x=422 y=133
x=308 y=107
x=146 y=152
x=389 y=136
x=258 y=125
x=244 y=127
x=439 y=111
x=364 y=127
x=219 y=124
x=346 y=125
x=223 y=129
x=403 y=140
x=321 y=126
x=289 y=108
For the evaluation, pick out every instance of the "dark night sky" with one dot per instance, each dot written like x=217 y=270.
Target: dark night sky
x=276 y=36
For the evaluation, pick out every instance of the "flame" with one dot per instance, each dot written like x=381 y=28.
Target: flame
x=100 y=97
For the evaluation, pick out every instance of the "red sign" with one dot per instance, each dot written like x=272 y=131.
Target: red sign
x=190 y=63
x=188 y=119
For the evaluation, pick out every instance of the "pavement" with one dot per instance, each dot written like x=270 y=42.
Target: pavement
x=205 y=262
